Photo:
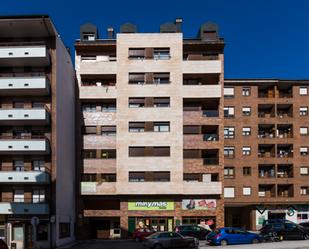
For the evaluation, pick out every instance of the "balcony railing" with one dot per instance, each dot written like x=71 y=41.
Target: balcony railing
x=210 y=161
x=211 y=113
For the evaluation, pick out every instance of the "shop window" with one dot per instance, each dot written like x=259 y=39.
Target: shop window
x=18 y=233
x=64 y=230
x=42 y=232
x=246 y=91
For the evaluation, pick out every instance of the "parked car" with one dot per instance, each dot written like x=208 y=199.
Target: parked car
x=232 y=236
x=286 y=230
x=169 y=240
x=141 y=233
x=192 y=230
x=3 y=245
x=304 y=224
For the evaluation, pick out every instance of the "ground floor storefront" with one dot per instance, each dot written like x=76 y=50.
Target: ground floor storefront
x=19 y=232
x=252 y=217
x=158 y=214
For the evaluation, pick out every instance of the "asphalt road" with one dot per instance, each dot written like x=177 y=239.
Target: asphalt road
x=127 y=244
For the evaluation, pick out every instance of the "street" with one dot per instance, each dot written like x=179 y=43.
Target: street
x=128 y=244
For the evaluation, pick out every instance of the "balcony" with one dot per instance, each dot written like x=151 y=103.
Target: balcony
x=23 y=208
x=267 y=171
x=99 y=166
x=284 y=150
x=202 y=188
x=266 y=111
x=285 y=110
x=285 y=171
x=201 y=66
x=202 y=91
x=30 y=54
x=98 y=188
x=285 y=190
x=266 y=131
x=24 y=116
x=99 y=142
x=11 y=145
x=24 y=177
x=267 y=190
x=266 y=150
x=24 y=85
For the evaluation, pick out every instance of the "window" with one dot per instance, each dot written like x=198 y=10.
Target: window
x=303 y=91
x=87 y=130
x=38 y=105
x=86 y=58
x=149 y=176
x=161 y=78
x=229 y=132
x=246 y=191
x=304 y=190
x=304 y=170
x=38 y=165
x=137 y=53
x=228 y=92
x=18 y=104
x=303 y=111
x=229 y=192
x=87 y=154
x=229 y=152
x=161 y=102
x=246 y=171
x=89 y=36
x=136 y=126
x=136 y=176
x=161 y=127
x=246 y=111
x=149 y=151
x=19 y=195
x=229 y=172
x=108 y=130
x=89 y=107
x=136 y=102
x=303 y=131
x=136 y=78
x=108 y=154
x=303 y=151
x=229 y=111
x=161 y=53
x=18 y=165
x=64 y=230
x=108 y=107
x=246 y=91
x=246 y=131
x=89 y=177
x=38 y=196
x=246 y=151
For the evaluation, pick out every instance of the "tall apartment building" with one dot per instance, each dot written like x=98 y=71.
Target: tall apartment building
x=151 y=129
x=37 y=146
x=266 y=164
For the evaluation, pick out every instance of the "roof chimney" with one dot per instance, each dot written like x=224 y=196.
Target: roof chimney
x=178 y=23
x=110 y=33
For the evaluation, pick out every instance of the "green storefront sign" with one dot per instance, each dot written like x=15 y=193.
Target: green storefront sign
x=150 y=205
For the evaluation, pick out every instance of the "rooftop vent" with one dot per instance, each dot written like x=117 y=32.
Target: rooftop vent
x=110 y=33
x=88 y=32
x=128 y=28
x=172 y=27
x=209 y=32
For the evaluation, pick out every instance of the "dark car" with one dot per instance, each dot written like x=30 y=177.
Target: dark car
x=169 y=240
x=232 y=236
x=286 y=230
x=304 y=224
x=192 y=230
x=141 y=233
x=3 y=245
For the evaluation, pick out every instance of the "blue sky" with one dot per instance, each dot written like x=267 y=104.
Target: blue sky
x=264 y=38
